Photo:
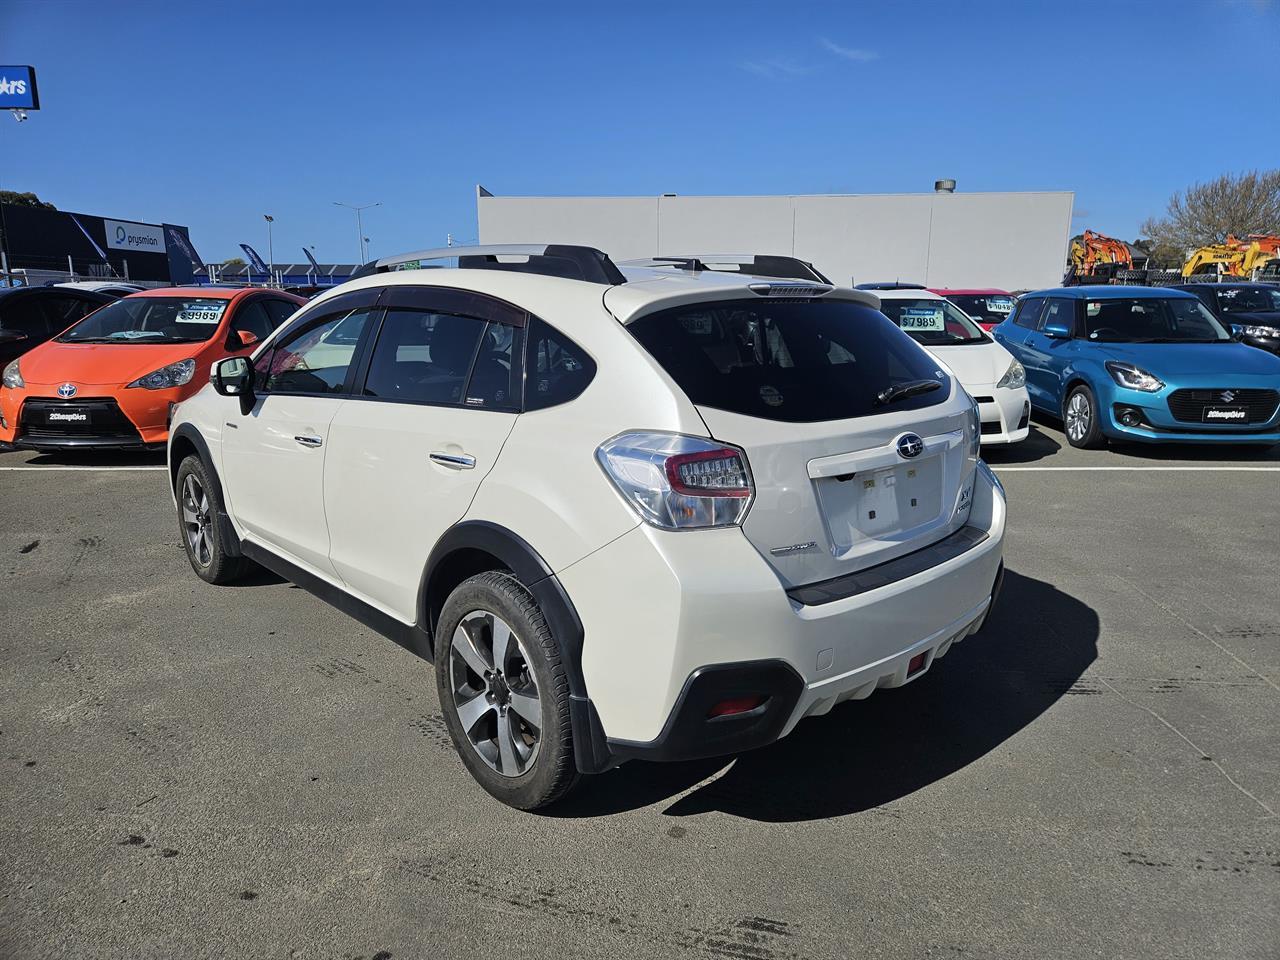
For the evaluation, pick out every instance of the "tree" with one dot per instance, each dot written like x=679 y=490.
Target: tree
x=1206 y=213
x=233 y=262
x=14 y=199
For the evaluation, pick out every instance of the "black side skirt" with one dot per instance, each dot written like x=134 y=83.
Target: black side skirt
x=412 y=638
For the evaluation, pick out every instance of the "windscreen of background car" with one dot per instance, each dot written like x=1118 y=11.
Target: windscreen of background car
x=1248 y=300
x=150 y=320
x=795 y=361
x=1151 y=320
x=992 y=308
x=935 y=323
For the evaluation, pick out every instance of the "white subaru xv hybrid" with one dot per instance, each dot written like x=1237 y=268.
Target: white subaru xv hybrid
x=628 y=516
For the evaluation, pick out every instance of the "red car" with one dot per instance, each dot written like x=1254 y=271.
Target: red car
x=986 y=307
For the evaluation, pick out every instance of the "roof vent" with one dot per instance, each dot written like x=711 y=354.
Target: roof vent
x=944 y=186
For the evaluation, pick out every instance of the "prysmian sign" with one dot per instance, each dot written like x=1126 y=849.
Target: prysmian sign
x=123 y=235
x=18 y=88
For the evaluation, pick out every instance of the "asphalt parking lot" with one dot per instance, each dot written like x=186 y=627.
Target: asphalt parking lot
x=245 y=772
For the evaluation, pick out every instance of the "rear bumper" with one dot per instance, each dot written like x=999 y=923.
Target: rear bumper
x=708 y=620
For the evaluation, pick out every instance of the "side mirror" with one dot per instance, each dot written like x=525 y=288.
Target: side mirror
x=247 y=338
x=12 y=336
x=233 y=377
x=1057 y=331
x=1237 y=331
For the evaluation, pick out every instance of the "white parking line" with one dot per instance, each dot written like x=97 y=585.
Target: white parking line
x=90 y=469
x=1211 y=469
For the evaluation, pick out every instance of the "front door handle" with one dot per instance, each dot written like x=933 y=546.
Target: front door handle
x=460 y=460
x=308 y=441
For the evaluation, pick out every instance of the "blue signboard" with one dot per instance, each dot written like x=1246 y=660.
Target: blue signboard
x=18 y=88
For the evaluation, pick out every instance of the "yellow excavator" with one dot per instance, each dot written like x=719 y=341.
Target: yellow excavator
x=1235 y=258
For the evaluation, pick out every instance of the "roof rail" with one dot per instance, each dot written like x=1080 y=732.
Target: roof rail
x=755 y=264
x=550 y=259
x=895 y=285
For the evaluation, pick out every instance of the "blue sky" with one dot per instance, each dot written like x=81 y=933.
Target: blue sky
x=211 y=114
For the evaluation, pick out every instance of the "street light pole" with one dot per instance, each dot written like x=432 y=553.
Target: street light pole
x=271 y=254
x=360 y=237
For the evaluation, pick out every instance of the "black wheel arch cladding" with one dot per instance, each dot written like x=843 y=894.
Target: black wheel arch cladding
x=481 y=537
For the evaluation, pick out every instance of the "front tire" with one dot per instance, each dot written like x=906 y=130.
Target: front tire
x=199 y=506
x=504 y=692
x=1080 y=420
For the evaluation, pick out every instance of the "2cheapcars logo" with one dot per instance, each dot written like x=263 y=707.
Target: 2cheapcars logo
x=13 y=87
x=126 y=239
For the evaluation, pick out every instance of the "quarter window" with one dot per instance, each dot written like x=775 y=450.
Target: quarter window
x=318 y=359
x=558 y=369
x=1028 y=314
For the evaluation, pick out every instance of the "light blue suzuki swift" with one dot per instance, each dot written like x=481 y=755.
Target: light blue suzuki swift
x=1141 y=363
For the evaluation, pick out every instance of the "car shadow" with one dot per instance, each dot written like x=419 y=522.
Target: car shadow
x=1038 y=445
x=865 y=755
x=100 y=458
x=1197 y=452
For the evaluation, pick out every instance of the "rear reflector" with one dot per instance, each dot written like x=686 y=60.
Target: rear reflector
x=727 y=708
x=916 y=664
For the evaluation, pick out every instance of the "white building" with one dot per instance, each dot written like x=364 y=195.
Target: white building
x=1012 y=241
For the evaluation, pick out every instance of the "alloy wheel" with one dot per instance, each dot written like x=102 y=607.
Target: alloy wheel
x=196 y=520
x=494 y=693
x=1079 y=416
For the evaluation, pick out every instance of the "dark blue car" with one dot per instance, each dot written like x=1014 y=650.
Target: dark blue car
x=1141 y=363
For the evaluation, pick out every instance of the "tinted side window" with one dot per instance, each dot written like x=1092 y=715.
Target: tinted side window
x=26 y=316
x=423 y=356
x=317 y=359
x=253 y=318
x=1059 y=311
x=558 y=370
x=495 y=375
x=279 y=311
x=62 y=312
x=1028 y=314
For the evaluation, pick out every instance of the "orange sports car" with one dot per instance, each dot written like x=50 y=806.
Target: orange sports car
x=111 y=380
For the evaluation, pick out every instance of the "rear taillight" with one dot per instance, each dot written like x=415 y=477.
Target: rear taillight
x=677 y=482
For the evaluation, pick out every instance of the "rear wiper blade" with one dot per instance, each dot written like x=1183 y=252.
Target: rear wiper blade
x=912 y=388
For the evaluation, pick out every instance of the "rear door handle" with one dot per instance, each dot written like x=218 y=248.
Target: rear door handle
x=460 y=460
x=308 y=441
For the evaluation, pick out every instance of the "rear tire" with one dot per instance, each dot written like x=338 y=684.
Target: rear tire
x=199 y=507
x=504 y=693
x=1080 y=420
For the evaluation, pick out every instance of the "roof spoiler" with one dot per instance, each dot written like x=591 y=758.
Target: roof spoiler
x=550 y=260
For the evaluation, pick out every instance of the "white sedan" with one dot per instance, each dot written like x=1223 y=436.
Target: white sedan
x=987 y=370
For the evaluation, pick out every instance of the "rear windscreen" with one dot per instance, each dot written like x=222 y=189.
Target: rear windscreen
x=796 y=361
x=988 y=308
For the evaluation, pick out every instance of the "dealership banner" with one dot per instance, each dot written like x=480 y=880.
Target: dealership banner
x=254 y=260
x=142 y=237
x=18 y=88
